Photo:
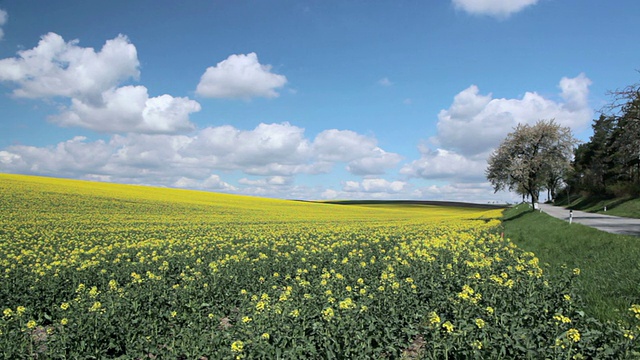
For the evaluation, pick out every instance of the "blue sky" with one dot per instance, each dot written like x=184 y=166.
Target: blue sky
x=300 y=99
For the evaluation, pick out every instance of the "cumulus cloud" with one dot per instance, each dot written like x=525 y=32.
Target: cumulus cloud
x=55 y=68
x=240 y=76
x=360 y=152
x=3 y=20
x=68 y=158
x=480 y=192
x=370 y=188
x=375 y=185
x=475 y=124
x=497 y=8
x=58 y=68
x=213 y=182
x=130 y=109
x=272 y=153
x=445 y=164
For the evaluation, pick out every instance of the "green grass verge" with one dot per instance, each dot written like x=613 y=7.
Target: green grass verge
x=609 y=280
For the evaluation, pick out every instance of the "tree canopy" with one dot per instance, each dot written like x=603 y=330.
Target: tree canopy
x=609 y=163
x=532 y=158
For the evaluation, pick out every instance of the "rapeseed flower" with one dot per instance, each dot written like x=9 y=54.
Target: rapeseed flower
x=448 y=326
x=573 y=335
x=237 y=346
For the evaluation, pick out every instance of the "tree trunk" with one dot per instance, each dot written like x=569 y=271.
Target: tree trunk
x=534 y=199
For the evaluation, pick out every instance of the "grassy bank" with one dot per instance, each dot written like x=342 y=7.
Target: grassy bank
x=609 y=280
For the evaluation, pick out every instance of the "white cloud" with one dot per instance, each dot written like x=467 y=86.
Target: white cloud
x=361 y=152
x=385 y=82
x=480 y=192
x=68 y=158
x=240 y=76
x=329 y=194
x=55 y=68
x=476 y=123
x=269 y=149
x=376 y=163
x=130 y=109
x=213 y=182
x=497 y=8
x=445 y=164
x=272 y=153
x=58 y=68
x=375 y=185
x=268 y=181
x=3 y=20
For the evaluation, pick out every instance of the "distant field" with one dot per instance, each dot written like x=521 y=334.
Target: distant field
x=117 y=271
x=417 y=203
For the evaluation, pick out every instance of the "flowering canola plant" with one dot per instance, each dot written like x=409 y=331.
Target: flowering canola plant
x=104 y=270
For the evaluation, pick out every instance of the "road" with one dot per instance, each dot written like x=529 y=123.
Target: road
x=612 y=224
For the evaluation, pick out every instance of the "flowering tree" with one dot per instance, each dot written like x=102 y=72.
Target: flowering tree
x=530 y=157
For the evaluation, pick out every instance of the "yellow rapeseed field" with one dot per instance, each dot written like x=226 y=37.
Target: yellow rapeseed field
x=96 y=270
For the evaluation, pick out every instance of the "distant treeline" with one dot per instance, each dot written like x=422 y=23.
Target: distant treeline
x=609 y=163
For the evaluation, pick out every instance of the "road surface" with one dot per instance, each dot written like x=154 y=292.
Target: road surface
x=612 y=224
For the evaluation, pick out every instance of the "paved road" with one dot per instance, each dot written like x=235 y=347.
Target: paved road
x=612 y=224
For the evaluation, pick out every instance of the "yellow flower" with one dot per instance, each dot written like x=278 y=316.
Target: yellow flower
x=64 y=306
x=64 y=321
x=20 y=310
x=80 y=288
x=295 y=313
x=31 y=324
x=434 y=319
x=559 y=318
x=174 y=314
x=346 y=304
x=479 y=323
x=265 y=336
x=94 y=291
x=477 y=345
x=246 y=319
x=113 y=285
x=635 y=309
x=237 y=346
x=573 y=335
x=7 y=313
x=328 y=314
x=448 y=326
x=95 y=307
x=576 y=271
x=210 y=316
x=490 y=310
